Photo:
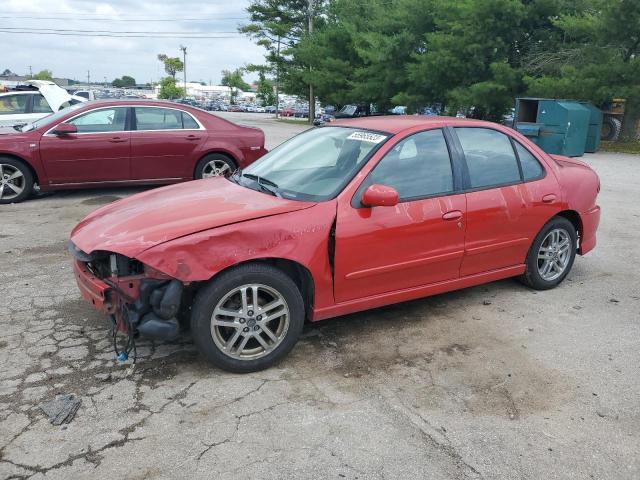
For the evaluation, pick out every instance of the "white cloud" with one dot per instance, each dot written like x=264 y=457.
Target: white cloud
x=72 y=56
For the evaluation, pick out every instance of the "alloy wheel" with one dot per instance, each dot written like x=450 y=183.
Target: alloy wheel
x=554 y=254
x=250 y=321
x=12 y=182
x=216 y=168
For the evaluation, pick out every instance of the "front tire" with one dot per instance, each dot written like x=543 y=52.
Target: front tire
x=214 y=165
x=16 y=180
x=248 y=318
x=551 y=256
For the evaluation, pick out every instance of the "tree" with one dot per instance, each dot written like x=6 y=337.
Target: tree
x=6 y=72
x=172 y=65
x=42 y=75
x=279 y=26
x=599 y=59
x=169 y=90
x=125 y=81
x=265 y=90
x=233 y=80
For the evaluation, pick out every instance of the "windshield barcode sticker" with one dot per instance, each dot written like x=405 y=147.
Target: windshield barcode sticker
x=366 y=137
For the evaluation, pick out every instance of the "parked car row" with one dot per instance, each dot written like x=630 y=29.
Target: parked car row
x=121 y=142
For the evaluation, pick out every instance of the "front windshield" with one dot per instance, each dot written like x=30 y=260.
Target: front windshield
x=315 y=165
x=50 y=118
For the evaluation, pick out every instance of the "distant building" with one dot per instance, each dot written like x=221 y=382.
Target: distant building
x=221 y=92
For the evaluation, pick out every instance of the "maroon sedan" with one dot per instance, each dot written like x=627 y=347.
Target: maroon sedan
x=113 y=143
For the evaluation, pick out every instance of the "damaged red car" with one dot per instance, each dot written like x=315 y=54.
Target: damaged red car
x=347 y=217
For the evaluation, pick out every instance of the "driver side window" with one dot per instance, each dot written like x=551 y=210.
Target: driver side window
x=417 y=167
x=102 y=120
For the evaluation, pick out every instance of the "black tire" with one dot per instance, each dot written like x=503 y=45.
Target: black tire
x=532 y=276
x=25 y=182
x=611 y=127
x=216 y=290
x=214 y=157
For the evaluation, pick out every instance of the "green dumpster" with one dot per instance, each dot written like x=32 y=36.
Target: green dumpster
x=595 y=126
x=556 y=126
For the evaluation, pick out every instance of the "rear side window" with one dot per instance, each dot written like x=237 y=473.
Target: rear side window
x=418 y=166
x=12 y=104
x=188 y=122
x=40 y=105
x=151 y=118
x=531 y=168
x=490 y=157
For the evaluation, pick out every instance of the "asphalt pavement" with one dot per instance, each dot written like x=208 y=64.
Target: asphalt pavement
x=492 y=382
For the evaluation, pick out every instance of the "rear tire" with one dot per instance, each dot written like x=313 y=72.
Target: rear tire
x=551 y=256
x=16 y=180
x=611 y=128
x=248 y=318
x=215 y=165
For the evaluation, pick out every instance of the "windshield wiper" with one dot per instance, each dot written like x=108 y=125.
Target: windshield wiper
x=262 y=183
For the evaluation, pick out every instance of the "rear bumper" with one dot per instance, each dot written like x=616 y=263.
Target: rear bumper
x=590 y=221
x=93 y=290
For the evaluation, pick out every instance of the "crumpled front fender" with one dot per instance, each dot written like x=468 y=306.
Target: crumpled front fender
x=301 y=237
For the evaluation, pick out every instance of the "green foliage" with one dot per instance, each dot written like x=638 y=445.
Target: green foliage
x=172 y=65
x=265 y=90
x=470 y=55
x=234 y=80
x=42 y=75
x=125 y=81
x=7 y=72
x=169 y=90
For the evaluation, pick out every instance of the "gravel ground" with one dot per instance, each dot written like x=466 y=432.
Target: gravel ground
x=496 y=381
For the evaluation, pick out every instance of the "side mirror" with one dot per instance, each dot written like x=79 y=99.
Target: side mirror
x=65 y=129
x=379 y=196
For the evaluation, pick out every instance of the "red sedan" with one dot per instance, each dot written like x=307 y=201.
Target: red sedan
x=343 y=218
x=112 y=143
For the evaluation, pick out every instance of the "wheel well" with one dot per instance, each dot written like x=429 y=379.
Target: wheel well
x=295 y=271
x=224 y=154
x=574 y=218
x=29 y=166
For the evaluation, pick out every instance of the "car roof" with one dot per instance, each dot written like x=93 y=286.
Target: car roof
x=131 y=101
x=398 y=123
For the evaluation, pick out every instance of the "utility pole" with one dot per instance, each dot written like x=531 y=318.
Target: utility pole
x=30 y=71
x=312 y=98
x=184 y=68
x=88 y=78
x=278 y=79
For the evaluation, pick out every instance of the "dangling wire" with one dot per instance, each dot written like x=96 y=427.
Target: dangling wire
x=124 y=355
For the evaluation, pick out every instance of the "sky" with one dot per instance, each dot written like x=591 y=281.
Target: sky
x=69 y=56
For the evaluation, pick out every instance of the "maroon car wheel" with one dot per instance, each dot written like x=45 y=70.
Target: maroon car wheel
x=16 y=180
x=215 y=165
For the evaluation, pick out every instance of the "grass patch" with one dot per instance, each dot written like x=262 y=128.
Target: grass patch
x=621 y=147
x=291 y=121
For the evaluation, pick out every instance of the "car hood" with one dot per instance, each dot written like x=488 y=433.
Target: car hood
x=134 y=224
x=8 y=131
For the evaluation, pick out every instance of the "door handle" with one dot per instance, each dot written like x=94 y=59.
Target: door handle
x=452 y=215
x=549 y=198
x=117 y=140
x=192 y=137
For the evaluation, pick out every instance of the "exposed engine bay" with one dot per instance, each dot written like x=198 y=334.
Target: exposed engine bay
x=139 y=300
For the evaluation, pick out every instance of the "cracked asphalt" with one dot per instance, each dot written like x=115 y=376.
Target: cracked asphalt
x=496 y=381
